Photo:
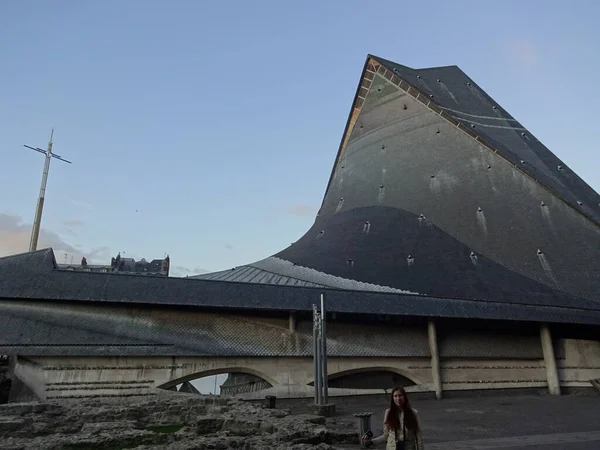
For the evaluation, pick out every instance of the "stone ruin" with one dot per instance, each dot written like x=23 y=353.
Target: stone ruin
x=175 y=422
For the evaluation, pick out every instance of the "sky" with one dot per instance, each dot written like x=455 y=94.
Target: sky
x=208 y=130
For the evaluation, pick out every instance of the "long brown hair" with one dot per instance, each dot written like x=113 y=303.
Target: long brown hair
x=393 y=421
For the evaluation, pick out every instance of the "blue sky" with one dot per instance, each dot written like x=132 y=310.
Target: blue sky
x=207 y=130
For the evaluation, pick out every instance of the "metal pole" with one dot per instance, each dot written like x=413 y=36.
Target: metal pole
x=319 y=361
x=324 y=350
x=316 y=370
x=35 y=232
x=321 y=379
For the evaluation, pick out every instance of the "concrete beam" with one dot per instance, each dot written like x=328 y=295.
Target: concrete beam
x=435 y=359
x=28 y=382
x=549 y=360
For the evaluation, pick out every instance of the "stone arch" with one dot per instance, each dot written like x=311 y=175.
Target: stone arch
x=221 y=370
x=335 y=379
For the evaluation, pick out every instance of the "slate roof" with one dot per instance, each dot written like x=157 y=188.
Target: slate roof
x=461 y=98
x=424 y=198
x=251 y=274
x=34 y=276
x=278 y=271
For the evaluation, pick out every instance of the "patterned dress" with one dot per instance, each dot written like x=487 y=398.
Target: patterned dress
x=414 y=441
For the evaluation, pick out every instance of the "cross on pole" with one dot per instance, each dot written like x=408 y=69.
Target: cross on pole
x=35 y=232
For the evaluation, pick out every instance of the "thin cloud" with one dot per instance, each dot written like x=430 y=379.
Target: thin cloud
x=70 y=225
x=228 y=246
x=523 y=52
x=99 y=254
x=15 y=236
x=301 y=209
x=73 y=223
x=81 y=204
x=181 y=271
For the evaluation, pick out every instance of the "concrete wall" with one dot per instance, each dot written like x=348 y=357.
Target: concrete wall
x=79 y=377
x=28 y=381
x=578 y=362
x=468 y=374
x=126 y=376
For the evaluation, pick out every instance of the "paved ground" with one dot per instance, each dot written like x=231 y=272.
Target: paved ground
x=570 y=422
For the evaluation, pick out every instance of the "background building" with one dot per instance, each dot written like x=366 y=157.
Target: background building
x=156 y=267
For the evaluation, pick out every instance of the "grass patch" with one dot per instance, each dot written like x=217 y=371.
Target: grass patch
x=164 y=429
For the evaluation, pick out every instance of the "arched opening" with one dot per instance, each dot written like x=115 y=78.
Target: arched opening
x=227 y=382
x=379 y=378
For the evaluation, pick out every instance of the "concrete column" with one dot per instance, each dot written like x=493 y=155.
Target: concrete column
x=435 y=359
x=293 y=322
x=549 y=360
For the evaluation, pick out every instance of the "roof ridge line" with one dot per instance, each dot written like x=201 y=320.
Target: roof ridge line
x=379 y=58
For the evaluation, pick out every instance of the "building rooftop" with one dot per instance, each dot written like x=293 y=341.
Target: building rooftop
x=35 y=276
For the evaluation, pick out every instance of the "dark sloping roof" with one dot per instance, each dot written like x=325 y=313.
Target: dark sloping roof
x=33 y=276
x=274 y=270
x=459 y=96
x=17 y=266
x=251 y=274
x=420 y=200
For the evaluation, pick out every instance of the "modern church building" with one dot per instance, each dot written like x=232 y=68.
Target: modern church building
x=455 y=251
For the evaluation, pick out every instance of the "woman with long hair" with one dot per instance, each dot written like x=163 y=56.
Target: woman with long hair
x=401 y=429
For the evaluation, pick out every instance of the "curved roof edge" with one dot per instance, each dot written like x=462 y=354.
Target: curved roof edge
x=273 y=270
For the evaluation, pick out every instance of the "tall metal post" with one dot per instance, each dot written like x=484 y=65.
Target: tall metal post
x=35 y=232
x=316 y=362
x=325 y=381
x=319 y=361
